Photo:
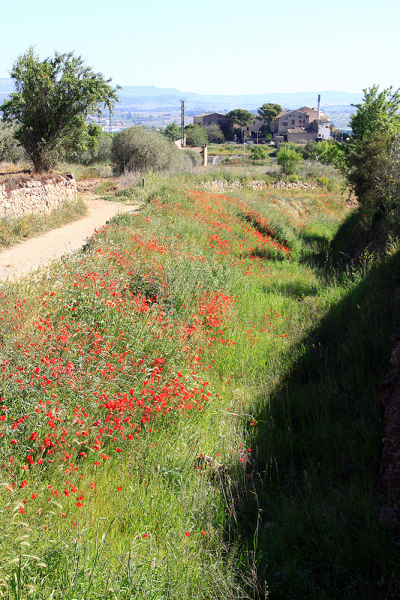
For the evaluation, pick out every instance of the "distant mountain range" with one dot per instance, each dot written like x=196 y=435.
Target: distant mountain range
x=149 y=97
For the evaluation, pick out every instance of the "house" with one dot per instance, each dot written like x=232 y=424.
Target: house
x=305 y=123
x=210 y=119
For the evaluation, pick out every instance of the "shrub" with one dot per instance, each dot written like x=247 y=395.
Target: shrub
x=137 y=149
x=289 y=160
x=258 y=153
x=10 y=149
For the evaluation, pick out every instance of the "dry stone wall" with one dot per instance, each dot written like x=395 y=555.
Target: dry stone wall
x=23 y=195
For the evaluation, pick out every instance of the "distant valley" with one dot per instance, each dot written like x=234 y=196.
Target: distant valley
x=152 y=106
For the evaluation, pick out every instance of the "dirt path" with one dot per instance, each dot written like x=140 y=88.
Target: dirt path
x=40 y=251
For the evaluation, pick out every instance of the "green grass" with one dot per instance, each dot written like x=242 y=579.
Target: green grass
x=18 y=229
x=270 y=358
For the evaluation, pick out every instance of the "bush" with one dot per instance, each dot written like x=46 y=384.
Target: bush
x=258 y=153
x=137 y=149
x=10 y=149
x=195 y=157
x=288 y=159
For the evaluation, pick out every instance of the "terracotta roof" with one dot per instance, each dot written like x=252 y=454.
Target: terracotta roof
x=309 y=111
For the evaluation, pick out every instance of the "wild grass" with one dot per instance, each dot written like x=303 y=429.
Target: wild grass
x=212 y=326
x=15 y=230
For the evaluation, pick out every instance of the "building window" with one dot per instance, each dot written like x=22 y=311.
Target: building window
x=284 y=123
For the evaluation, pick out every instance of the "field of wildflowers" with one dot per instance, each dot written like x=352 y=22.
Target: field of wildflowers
x=139 y=417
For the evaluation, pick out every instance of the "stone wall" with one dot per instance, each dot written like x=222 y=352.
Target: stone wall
x=22 y=195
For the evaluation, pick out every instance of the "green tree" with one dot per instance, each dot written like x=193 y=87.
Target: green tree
x=377 y=113
x=240 y=117
x=172 y=132
x=50 y=104
x=310 y=151
x=214 y=133
x=369 y=151
x=196 y=135
x=288 y=160
x=268 y=112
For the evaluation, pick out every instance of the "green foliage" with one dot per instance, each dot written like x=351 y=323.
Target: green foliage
x=377 y=113
x=269 y=111
x=10 y=149
x=288 y=159
x=291 y=146
x=258 y=153
x=374 y=172
x=196 y=135
x=310 y=151
x=172 y=132
x=137 y=149
x=331 y=153
x=214 y=133
x=99 y=153
x=240 y=117
x=371 y=157
x=51 y=101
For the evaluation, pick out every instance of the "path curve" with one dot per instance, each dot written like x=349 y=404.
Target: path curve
x=37 y=252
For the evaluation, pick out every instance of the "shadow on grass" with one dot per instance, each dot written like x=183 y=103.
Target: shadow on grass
x=310 y=525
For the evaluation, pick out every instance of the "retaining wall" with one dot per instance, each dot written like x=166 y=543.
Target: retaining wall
x=23 y=195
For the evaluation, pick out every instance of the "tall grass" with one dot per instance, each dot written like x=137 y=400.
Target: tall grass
x=199 y=382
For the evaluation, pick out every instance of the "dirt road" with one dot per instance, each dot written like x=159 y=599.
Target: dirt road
x=40 y=251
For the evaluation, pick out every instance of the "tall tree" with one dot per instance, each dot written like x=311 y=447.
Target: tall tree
x=268 y=112
x=50 y=104
x=373 y=149
x=172 y=132
x=240 y=117
x=377 y=113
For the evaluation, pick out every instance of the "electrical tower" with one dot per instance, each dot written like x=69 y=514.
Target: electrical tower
x=183 y=139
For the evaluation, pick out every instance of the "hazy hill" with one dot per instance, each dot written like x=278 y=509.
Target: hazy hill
x=152 y=98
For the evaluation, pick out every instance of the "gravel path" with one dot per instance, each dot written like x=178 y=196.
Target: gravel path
x=40 y=251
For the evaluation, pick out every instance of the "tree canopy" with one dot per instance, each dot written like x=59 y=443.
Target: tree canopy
x=240 y=116
x=196 y=135
x=377 y=113
x=269 y=112
x=51 y=101
x=172 y=132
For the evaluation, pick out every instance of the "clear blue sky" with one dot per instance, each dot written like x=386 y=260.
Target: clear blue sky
x=215 y=46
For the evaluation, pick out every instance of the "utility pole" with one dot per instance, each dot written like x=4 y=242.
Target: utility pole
x=183 y=140
x=109 y=121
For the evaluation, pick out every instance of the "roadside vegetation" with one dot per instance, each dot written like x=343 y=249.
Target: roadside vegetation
x=189 y=406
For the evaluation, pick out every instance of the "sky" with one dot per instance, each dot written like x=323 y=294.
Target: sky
x=215 y=46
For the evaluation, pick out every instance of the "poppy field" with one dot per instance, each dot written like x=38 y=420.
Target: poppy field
x=157 y=439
